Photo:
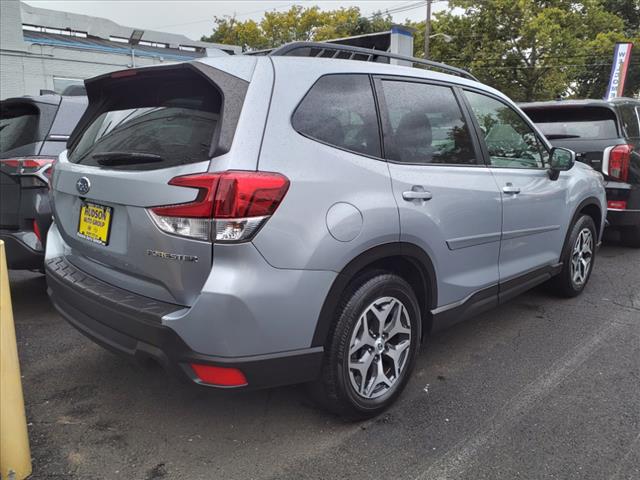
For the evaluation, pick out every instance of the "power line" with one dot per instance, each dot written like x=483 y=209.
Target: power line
x=244 y=14
x=407 y=6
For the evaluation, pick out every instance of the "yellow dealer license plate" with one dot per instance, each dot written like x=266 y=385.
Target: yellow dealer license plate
x=95 y=223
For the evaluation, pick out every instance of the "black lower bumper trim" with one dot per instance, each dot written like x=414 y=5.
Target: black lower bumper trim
x=131 y=324
x=623 y=218
x=19 y=255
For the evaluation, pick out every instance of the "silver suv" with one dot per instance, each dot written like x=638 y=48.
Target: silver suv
x=255 y=221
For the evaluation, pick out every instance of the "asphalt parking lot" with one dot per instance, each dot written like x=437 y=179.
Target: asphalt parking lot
x=539 y=388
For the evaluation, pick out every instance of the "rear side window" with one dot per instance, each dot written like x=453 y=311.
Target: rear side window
x=630 y=117
x=340 y=110
x=427 y=125
x=18 y=126
x=575 y=122
x=161 y=120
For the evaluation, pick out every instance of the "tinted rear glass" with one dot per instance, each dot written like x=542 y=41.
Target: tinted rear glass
x=150 y=123
x=18 y=126
x=576 y=122
x=630 y=117
x=427 y=124
x=340 y=110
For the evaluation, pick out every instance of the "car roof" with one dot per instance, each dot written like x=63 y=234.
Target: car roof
x=588 y=102
x=326 y=66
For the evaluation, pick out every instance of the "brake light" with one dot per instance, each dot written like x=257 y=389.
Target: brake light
x=32 y=171
x=617 y=204
x=124 y=73
x=230 y=206
x=220 y=376
x=619 y=160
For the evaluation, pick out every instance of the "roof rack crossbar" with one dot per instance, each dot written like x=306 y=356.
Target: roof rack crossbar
x=371 y=55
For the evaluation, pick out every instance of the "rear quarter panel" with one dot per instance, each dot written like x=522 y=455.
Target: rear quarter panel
x=329 y=186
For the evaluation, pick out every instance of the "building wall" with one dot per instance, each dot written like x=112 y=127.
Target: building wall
x=27 y=68
x=27 y=72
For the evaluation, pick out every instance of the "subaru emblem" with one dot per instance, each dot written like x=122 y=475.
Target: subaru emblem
x=83 y=185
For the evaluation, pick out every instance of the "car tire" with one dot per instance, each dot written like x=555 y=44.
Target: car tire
x=630 y=236
x=577 y=261
x=371 y=348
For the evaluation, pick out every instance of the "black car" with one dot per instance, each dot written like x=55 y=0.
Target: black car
x=33 y=131
x=605 y=135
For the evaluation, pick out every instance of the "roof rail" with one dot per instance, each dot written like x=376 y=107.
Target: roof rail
x=348 y=52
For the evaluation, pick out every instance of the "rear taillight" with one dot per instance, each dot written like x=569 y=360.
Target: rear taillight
x=619 y=160
x=36 y=230
x=617 y=204
x=32 y=172
x=230 y=206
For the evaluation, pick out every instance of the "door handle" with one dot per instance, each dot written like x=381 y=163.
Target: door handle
x=410 y=195
x=510 y=189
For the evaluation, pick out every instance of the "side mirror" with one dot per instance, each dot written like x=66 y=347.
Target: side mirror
x=561 y=160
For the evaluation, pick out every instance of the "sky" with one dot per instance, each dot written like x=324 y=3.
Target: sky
x=194 y=18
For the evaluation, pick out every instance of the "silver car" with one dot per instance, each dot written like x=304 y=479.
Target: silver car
x=253 y=221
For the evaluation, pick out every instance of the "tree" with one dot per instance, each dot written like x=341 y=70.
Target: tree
x=593 y=82
x=531 y=49
x=296 y=24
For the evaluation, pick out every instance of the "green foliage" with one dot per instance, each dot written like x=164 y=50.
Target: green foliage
x=535 y=49
x=296 y=24
x=529 y=49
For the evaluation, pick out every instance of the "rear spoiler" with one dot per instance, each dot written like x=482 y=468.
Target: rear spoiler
x=100 y=88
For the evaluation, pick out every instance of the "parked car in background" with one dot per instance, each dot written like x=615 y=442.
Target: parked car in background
x=33 y=131
x=605 y=135
x=259 y=221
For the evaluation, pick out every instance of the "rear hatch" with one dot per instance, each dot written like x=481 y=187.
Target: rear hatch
x=24 y=125
x=587 y=130
x=142 y=129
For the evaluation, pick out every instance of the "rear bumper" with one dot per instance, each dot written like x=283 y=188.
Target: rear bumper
x=132 y=325
x=24 y=250
x=623 y=218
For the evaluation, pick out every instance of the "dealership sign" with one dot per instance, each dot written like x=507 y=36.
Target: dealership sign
x=621 y=60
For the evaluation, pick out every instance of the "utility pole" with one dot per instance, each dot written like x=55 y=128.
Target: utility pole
x=427 y=30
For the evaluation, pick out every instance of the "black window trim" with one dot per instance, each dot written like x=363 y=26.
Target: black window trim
x=487 y=158
x=385 y=123
x=323 y=142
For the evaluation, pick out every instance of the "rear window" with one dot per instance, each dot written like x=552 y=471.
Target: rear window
x=340 y=110
x=148 y=123
x=579 y=122
x=18 y=126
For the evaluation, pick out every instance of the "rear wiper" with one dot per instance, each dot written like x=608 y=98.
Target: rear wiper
x=112 y=159
x=557 y=136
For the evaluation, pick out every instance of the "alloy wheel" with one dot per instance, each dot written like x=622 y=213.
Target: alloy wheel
x=379 y=347
x=582 y=257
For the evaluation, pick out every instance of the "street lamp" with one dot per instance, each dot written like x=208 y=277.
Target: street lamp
x=134 y=40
